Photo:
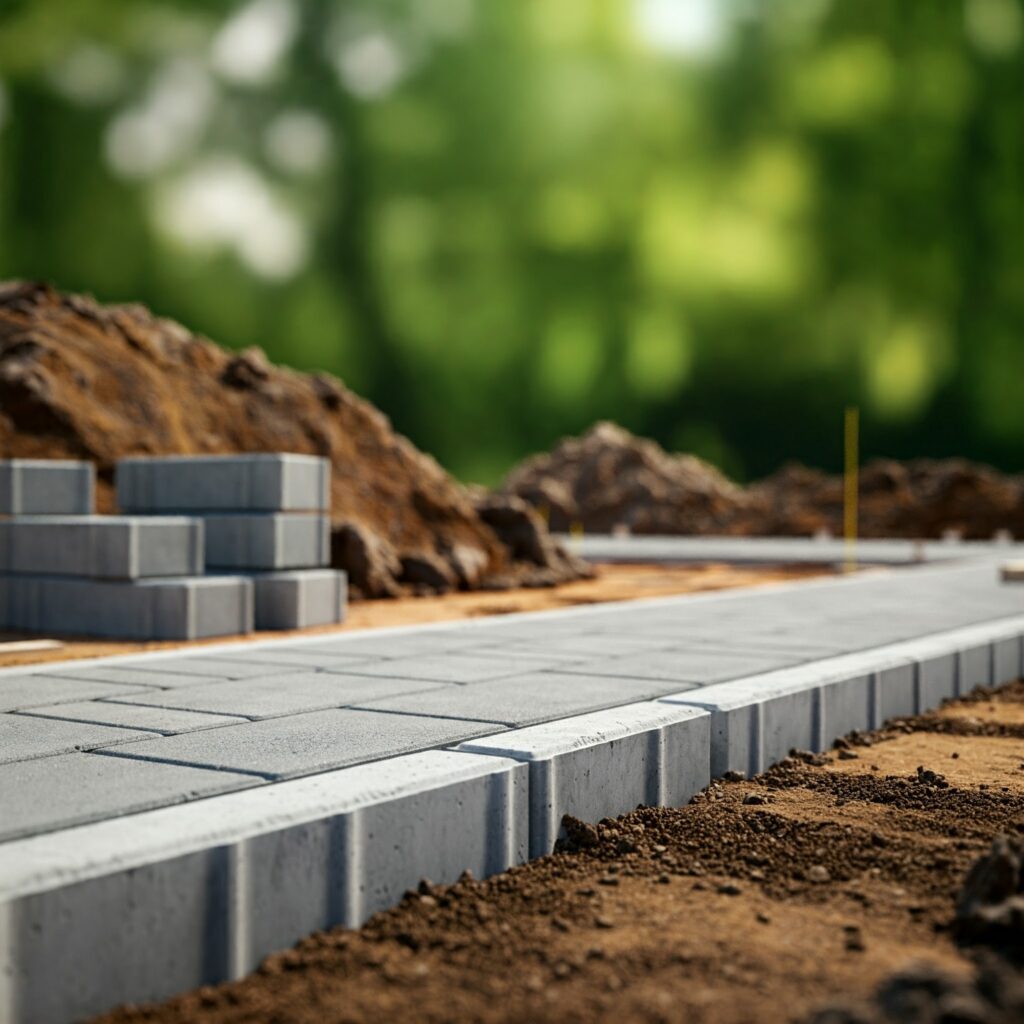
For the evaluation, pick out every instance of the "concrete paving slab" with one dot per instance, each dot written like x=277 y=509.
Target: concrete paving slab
x=300 y=598
x=139 y=678
x=202 y=667
x=524 y=699
x=102 y=547
x=46 y=487
x=179 y=608
x=167 y=721
x=604 y=764
x=695 y=665
x=280 y=748
x=455 y=667
x=296 y=658
x=273 y=696
x=277 y=540
x=36 y=690
x=22 y=738
x=59 y=792
x=200 y=893
x=252 y=483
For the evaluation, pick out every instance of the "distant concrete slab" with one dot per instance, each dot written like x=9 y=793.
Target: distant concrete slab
x=46 y=487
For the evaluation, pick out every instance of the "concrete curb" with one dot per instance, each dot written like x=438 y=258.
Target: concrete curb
x=141 y=907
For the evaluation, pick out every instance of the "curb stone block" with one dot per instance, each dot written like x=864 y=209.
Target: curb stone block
x=102 y=547
x=606 y=763
x=198 y=894
x=47 y=487
x=272 y=541
x=261 y=482
x=299 y=599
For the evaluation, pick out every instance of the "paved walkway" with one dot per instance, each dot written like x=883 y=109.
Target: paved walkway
x=85 y=741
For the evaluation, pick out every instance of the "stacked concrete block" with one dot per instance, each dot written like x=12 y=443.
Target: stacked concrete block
x=44 y=487
x=65 y=570
x=265 y=515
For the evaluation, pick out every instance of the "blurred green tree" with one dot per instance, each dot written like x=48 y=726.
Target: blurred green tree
x=715 y=221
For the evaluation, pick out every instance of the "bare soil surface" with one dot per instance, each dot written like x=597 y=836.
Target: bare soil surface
x=764 y=900
x=618 y=582
x=84 y=381
x=608 y=478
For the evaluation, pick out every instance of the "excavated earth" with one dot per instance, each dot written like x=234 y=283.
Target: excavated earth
x=608 y=479
x=84 y=381
x=794 y=896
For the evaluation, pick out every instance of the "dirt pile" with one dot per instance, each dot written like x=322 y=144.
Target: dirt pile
x=85 y=381
x=608 y=478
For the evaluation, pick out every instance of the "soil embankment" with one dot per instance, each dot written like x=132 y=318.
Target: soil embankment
x=609 y=479
x=764 y=900
x=84 y=381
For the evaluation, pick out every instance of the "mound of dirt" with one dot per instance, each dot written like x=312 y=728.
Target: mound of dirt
x=609 y=479
x=85 y=381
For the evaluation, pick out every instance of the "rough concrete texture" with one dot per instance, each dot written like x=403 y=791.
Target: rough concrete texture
x=259 y=482
x=278 y=540
x=239 y=878
x=46 y=487
x=101 y=547
x=176 y=608
x=300 y=599
x=604 y=764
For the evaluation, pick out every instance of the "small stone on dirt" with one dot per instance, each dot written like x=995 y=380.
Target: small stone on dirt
x=819 y=874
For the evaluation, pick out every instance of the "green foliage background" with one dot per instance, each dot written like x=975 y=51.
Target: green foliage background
x=501 y=221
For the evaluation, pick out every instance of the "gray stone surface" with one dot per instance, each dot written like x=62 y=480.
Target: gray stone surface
x=69 y=789
x=198 y=667
x=691 y=665
x=22 y=738
x=300 y=598
x=102 y=547
x=604 y=764
x=200 y=893
x=523 y=700
x=182 y=608
x=273 y=696
x=134 y=716
x=245 y=483
x=39 y=689
x=278 y=540
x=137 y=678
x=46 y=487
x=316 y=741
x=456 y=667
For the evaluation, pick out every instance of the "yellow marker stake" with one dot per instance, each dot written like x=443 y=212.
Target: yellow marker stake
x=850 y=488
x=576 y=532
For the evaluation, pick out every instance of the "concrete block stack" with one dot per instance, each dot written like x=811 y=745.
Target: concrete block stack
x=64 y=569
x=265 y=515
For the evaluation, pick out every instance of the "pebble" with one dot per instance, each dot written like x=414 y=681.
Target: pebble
x=755 y=798
x=729 y=889
x=604 y=922
x=818 y=873
x=846 y=754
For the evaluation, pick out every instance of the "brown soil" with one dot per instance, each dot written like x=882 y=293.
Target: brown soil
x=608 y=478
x=761 y=901
x=618 y=582
x=85 y=381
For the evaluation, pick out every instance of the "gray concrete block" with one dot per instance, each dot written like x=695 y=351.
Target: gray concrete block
x=102 y=547
x=974 y=667
x=23 y=737
x=896 y=692
x=142 y=907
x=190 y=668
x=137 y=678
x=936 y=680
x=167 y=721
x=245 y=483
x=38 y=689
x=181 y=608
x=59 y=792
x=286 y=694
x=316 y=741
x=454 y=667
x=522 y=700
x=605 y=764
x=279 y=540
x=46 y=487
x=1006 y=660
x=300 y=598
